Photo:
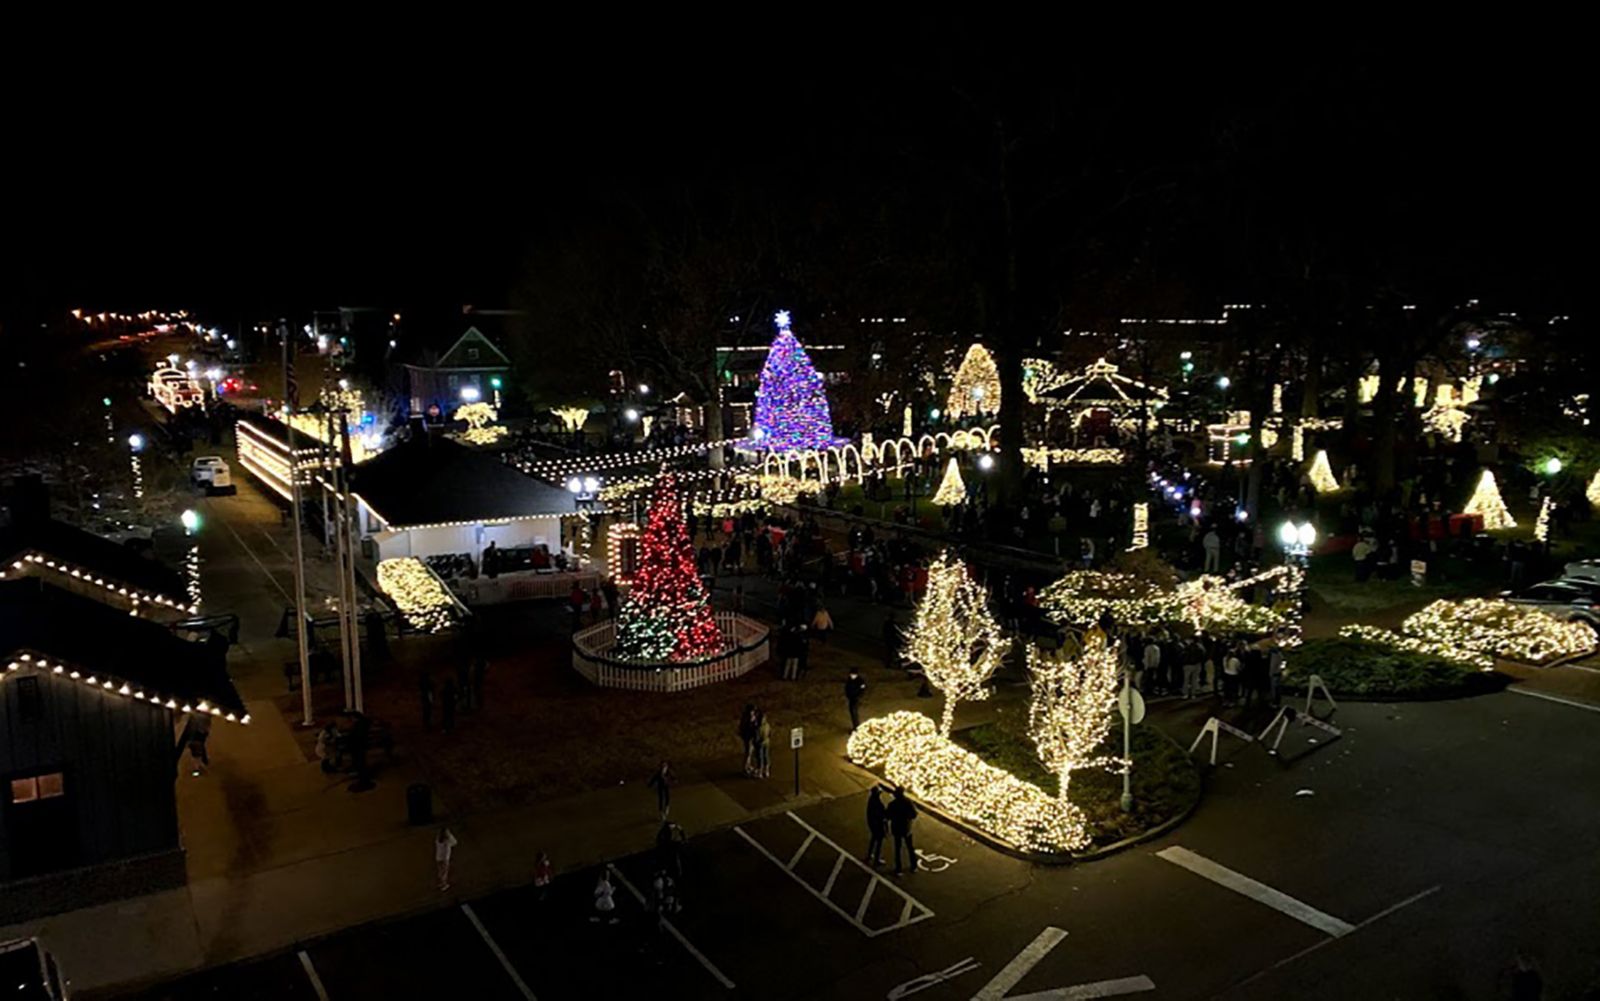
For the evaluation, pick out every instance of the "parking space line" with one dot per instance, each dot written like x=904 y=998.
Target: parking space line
x=672 y=929
x=802 y=850
x=1020 y=964
x=311 y=974
x=913 y=911
x=866 y=899
x=1260 y=892
x=1308 y=950
x=838 y=864
x=494 y=947
x=1555 y=698
x=1098 y=989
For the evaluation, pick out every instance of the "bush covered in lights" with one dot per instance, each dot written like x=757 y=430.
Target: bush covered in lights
x=908 y=747
x=1376 y=663
x=1500 y=629
x=417 y=593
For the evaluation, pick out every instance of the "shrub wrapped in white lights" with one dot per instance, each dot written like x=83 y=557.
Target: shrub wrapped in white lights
x=958 y=782
x=417 y=593
x=1417 y=644
x=1500 y=629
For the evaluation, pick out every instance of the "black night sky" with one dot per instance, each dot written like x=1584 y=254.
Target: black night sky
x=388 y=174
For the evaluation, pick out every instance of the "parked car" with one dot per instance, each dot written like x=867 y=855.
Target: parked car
x=1574 y=600
x=212 y=472
x=1583 y=570
x=28 y=972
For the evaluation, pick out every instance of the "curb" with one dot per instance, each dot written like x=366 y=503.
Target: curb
x=1063 y=858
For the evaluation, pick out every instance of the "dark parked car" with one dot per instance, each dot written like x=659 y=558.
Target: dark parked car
x=1573 y=600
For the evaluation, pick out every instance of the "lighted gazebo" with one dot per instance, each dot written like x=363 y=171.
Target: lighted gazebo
x=1101 y=398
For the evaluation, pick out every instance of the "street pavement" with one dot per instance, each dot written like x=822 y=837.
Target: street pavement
x=1413 y=856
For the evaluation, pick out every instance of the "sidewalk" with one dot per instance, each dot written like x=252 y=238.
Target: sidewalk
x=315 y=858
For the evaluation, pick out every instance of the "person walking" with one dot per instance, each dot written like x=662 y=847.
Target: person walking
x=747 y=736
x=822 y=623
x=662 y=781
x=425 y=697
x=763 y=745
x=1192 y=669
x=543 y=875
x=1232 y=667
x=1152 y=664
x=447 y=705
x=1275 y=663
x=854 y=687
x=901 y=812
x=605 y=900
x=444 y=845
x=877 y=824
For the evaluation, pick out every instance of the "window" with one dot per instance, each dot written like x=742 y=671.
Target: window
x=37 y=787
x=28 y=699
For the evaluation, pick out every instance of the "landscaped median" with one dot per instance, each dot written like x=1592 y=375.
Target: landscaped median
x=989 y=780
x=1378 y=664
x=1447 y=650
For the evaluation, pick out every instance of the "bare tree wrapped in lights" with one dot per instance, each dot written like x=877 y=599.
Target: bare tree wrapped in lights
x=954 y=637
x=1070 y=713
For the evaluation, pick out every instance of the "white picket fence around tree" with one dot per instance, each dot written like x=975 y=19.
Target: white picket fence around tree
x=592 y=648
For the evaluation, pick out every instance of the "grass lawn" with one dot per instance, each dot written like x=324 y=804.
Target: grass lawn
x=1165 y=781
x=1372 y=670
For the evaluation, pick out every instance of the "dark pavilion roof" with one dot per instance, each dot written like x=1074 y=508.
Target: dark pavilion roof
x=431 y=480
x=56 y=625
x=86 y=551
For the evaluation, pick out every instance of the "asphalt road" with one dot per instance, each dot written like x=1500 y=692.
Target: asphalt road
x=1436 y=840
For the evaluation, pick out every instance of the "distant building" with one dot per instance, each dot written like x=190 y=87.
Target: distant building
x=91 y=698
x=455 y=362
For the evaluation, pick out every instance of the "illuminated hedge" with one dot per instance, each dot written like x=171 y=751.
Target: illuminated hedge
x=1500 y=629
x=958 y=782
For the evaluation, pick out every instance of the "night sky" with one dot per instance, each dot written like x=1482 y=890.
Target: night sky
x=390 y=172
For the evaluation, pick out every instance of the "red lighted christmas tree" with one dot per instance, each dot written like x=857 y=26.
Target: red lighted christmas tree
x=668 y=614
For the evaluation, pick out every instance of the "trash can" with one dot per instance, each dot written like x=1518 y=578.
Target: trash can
x=419 y=804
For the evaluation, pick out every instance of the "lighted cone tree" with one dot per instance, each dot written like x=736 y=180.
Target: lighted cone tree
x=1073 y=700
x=951 y=489
x=791 y=404
x=976 y=389
x=954 y=638
x=667 y=616
x=1486 y=502
x=1321 y=474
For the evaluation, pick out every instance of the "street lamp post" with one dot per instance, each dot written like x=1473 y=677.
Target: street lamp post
x=1297 y=540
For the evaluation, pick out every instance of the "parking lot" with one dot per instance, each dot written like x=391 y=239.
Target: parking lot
x=1390 y=859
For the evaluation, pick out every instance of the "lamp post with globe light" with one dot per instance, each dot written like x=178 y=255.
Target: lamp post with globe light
x=1297 y=540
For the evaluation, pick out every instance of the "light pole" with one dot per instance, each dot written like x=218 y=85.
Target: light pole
x=1297 y=540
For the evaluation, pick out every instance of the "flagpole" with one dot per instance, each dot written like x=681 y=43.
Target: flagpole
x=290 y=392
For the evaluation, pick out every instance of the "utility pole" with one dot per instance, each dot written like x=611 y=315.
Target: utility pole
x=330 y=468
x=348 y=575
x=307 y=718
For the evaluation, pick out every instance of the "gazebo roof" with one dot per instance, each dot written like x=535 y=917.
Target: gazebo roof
x=1103 y=385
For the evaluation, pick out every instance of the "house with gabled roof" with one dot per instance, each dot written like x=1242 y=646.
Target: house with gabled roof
x=455 y=363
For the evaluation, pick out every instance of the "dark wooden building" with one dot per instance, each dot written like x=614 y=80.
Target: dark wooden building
x=92 y=700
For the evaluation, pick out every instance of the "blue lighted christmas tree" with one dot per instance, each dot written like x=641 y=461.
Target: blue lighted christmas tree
x=791 y=405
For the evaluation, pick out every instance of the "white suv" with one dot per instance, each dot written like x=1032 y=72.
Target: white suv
x=211 y=472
